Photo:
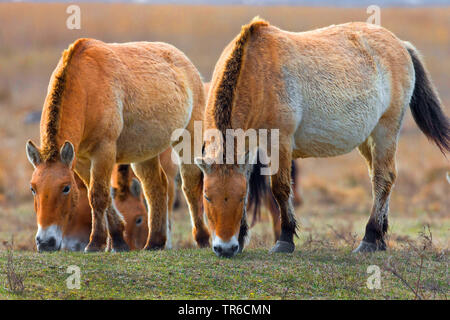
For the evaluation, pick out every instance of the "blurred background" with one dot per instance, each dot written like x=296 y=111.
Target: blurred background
x=336 y=191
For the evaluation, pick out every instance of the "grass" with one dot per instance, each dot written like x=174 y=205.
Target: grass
x=309 y=273
x=322 y=267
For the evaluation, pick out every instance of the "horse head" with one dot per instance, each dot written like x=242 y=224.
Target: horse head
x=129 y=200
x=55 y=194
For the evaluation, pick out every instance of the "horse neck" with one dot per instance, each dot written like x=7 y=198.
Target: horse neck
x=70 y=119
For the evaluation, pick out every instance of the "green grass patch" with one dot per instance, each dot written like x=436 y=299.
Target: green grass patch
x=309 y=273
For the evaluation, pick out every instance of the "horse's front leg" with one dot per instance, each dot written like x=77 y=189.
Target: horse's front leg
x=102 y=163
x=282 y=191
x=193 y=189
x=154 y=183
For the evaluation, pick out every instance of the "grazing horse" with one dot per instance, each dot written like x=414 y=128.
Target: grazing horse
x=328 y=91
x=128 y=200
x=263 y=194
x=131 y=204
x=107 y=104
x=75 y=234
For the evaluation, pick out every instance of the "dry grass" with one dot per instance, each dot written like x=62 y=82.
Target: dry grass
x=416 y=253
x=15 y=280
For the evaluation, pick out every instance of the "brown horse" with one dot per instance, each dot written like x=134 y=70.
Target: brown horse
x=327 y=91
x=107 y=104
x=128 y=200
x=263 y=194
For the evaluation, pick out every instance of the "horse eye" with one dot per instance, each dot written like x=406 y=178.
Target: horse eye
x=207 y=199
x=138 y=220
x=66 y=189
x=33 y=191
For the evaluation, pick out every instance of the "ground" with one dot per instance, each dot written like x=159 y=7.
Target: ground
x=322 y=267
x=309 y=273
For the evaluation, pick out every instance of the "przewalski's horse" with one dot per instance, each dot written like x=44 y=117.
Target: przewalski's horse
x=328 y=91
x=263 y=195
x=115 y=103
x=128 y=200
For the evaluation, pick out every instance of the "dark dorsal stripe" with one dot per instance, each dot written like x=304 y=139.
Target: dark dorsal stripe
x=225 y=91
x=50 y=148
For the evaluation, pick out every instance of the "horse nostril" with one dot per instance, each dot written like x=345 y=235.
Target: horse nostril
x=234 y=248
x=51 y=242
x=217 y=249
x=38 y=240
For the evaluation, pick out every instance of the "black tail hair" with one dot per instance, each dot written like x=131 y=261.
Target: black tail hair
x=426 y=106
x=259 y=189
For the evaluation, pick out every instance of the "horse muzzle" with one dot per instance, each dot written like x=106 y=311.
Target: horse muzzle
x=226 y=249
x=48 y=239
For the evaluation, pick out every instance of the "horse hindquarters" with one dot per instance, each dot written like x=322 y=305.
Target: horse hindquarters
x=379 y=151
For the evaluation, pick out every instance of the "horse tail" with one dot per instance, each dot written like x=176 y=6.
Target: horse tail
x=259 y=190
x=426 y=106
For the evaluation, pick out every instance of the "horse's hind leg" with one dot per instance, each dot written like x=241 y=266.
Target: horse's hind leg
x=272 y=206
x=379 y=151
x=282 y=191
x=295 y=173
x=192 y=187
x=154 y=183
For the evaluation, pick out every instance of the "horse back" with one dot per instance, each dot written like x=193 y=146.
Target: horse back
x=327 y=88
x=121 y=92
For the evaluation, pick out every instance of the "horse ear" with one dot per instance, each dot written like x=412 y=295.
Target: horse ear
x=135 y=188
x=67 y=154
x=204 y=164
x=33 y=154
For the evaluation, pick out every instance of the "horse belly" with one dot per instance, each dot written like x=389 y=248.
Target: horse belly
x=338 y=128
x=147 y=134
x=140 y=142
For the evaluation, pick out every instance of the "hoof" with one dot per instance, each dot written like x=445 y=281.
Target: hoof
x=123 y=247
x=283 y=247
x=154 y=246
x=94 y=248
x=202 y=238
x=365 y=246
x=203 y=243
x=118 y=243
